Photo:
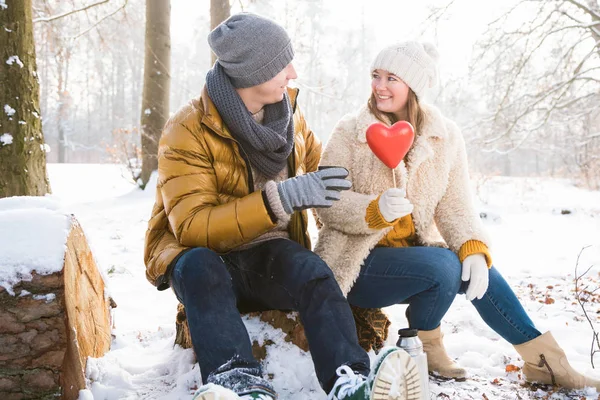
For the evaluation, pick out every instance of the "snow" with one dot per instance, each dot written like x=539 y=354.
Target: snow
x=44 y=147
x=147 y=111
x=3 y=4
x=33 y=234
x=9 y=110
x=6 y=139
x=14 y=59
x=48 y=298
x=535 y=246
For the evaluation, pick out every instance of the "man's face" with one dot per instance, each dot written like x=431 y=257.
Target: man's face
x=272 y=91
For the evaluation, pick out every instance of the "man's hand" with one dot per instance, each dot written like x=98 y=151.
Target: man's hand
x=475 y=269
x=315 y=189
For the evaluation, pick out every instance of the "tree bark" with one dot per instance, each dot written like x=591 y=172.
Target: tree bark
x=157 y=80
x=219 y=12
x=22 y=150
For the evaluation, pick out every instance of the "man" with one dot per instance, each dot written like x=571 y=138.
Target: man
x=237 y=168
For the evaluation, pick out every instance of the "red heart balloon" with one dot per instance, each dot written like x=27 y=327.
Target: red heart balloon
x=390 y=144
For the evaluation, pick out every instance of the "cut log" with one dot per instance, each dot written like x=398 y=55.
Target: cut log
x=288 y=322
x=52 y=325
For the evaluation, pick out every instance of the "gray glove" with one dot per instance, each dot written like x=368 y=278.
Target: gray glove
x=315 y=189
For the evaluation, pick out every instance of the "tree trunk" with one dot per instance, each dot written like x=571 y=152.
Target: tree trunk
x=54 y=323
x=219 y=12
x=64 y=103
x=22 y=150
x=157 y=80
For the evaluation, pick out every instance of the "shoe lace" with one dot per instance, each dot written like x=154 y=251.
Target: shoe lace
x=348 y=382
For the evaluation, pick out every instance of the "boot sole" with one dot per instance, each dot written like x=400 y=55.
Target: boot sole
x=443 y=378
x=397 y=378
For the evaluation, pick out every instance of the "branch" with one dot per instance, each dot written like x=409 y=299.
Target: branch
x=585 y=9
x=100 y=21
x=66 y=14
x=595 y=339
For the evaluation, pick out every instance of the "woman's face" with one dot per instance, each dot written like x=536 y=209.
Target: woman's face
x=390 y=92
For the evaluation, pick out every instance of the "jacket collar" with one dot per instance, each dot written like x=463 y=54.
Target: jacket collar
x=211 y=117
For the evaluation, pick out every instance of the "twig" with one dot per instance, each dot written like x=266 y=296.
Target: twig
x=65 y=14
x=595 y=337
x=100 y=21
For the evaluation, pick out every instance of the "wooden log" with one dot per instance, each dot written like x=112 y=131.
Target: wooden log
x=288 y=322
x=52 y=325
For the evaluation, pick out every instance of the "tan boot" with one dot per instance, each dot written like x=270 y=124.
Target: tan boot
x=438 y=361
x=546 y=362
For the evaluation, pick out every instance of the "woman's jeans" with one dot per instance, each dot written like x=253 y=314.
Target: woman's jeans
x=275 y=275
x=428 y=279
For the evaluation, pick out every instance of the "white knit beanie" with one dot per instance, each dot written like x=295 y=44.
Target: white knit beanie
x=413 y=62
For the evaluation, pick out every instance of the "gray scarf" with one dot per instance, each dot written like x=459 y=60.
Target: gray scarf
x=268 y=145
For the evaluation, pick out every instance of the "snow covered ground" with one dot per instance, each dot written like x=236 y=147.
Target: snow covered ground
x=538 y=226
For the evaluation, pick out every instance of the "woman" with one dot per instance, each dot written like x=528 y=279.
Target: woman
x=383 y=243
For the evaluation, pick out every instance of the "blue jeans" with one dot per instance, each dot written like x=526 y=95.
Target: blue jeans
x=275 y=275
x=428 y=279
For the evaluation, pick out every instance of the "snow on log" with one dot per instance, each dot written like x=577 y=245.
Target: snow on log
x=288 y=322
x=54 y=312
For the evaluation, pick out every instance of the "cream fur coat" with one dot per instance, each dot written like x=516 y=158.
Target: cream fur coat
x=436 y=180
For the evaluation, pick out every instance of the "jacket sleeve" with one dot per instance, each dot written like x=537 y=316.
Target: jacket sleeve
x=348 y=214
x=455 y=215
x=192 y=200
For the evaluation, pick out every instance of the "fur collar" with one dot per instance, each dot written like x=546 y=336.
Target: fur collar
x=434 y=129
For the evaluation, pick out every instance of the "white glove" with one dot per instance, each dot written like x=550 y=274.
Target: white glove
x=393 y=204
x=475 y=269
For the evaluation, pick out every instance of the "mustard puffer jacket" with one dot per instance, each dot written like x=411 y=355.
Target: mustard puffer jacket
x=205 y=195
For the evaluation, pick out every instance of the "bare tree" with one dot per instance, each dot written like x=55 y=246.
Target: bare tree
x=157 y=80
x=219 y=12
x=22 y=147
x=539 y=68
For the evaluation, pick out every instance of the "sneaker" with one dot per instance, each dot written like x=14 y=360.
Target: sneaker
x=258 y=392
x=257 y=396
x=394 y=377
x=210 y=391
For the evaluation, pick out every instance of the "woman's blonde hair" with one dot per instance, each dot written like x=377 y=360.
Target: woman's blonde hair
x=415 y=113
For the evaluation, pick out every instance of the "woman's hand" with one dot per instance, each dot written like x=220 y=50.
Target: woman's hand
x=475 y=269
x=393 y=204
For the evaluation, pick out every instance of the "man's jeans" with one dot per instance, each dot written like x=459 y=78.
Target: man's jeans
x=428 y=279
x=279 y=274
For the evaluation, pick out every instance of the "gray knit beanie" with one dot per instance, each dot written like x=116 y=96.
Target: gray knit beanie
x=413 y=62
x=252 y=49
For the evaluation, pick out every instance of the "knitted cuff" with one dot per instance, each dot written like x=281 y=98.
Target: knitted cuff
x=275 y=200
x=473 y=247
x=374 y=218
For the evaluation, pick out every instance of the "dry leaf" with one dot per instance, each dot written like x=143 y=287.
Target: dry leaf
x=549 y=300
x=512 y=368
